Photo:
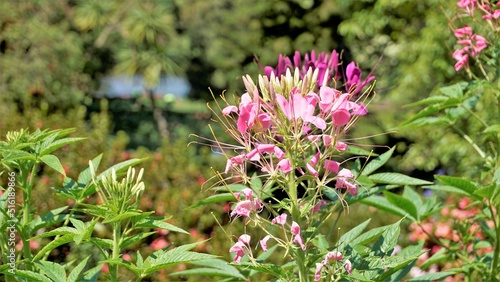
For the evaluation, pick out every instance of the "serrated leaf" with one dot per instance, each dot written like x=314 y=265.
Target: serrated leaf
x=53 y=162
x=213 y=272
x=397 y=178
x=135 y=238
x=272 y=269
x=75 y=273
x=122 y=216
x=54 y=244
x=31 y=276
x=429 y=277
x=63 y=230
x=492 y=129
x=382 y=204
x=402 y=203
x=58 y=144
x=52 y=270
x=176 y=256
x=102 y=243
x=347 y=237
x=414 y=197
x=377 y=162
x=93 y=273
x=461 y=183
x=120 y=168
x=390 y=237
x=360 y=152
x=14 y=155
x=223 y=197
x=48 y=219
x=153 y=223
x=85 y=176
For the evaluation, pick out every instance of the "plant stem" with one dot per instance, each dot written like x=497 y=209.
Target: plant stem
x=496 y=250
x=113 y=268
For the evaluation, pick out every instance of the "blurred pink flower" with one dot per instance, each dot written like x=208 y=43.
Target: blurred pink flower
x=159 y=243
x=263 y=243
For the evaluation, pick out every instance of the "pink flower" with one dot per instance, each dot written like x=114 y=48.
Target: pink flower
x=468 y=5
x=263 y=243
x=239 y=247
x=461 y=57
x=348 y=266
x=333 y=255
x=281 y=219
x=341 y=146
x=318 y=206
x=285 y=166
x=343 y=178
x=159 y=243
x=353 y=75
x=295 y=229
x=331 y=166
x=299 y=107
x=244 y=208
x=317 y=274
x=461 y=32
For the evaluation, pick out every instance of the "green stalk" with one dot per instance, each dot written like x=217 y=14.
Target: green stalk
x=292 y=191
x=113 y=268
x=496 y=251
x=27 y=216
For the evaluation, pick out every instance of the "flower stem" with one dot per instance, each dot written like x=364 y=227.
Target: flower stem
x=496 y=250
x=113 y=268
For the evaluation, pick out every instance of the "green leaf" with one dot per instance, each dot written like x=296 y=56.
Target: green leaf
x=54 y=244
x=54 y=163
x=122 y=216
x=85 y=176
x=120 y=168
x=48 y=219
x=383 y=204
x=93 y=273
x=492 y=129
x=429 y=277
x=135 y=238
x=491 y=192
x=396 y=178
x=461 y=183
x=153 y=223
x=271 y=269
x=402 y=203
x=354 y=150
x=455 y=90
x=53 y=270
x=429 y=101
x=425 y=121
x=75 y=273
x=390 y=237
x=58 y=144
x=63 y=230
x=347 y=237
x=163 y=259
x=15 y=155
x=224 y=197
x=31 y=276
x=377 y=162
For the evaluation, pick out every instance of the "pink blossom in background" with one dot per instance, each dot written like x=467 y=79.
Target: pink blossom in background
x=239 y=247
x=281 y=219
x=263 y=243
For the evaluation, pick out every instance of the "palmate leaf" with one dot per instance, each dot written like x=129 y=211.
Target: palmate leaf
x=52 y=270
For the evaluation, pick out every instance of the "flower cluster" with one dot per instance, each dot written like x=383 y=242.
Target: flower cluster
x=291 y=127
x=331 y=256
x=472 y=43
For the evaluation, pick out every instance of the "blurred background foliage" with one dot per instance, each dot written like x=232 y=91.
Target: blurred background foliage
x=54 y=54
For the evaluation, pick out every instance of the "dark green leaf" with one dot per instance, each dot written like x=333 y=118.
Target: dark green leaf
x=223 y=197
x=31 y=276
x=52 y=270
x=58 y=144
x=461 y=183
x=54 y=244
x=429 y=277
x=75 y=273
x=382 y=204
x=402 y=203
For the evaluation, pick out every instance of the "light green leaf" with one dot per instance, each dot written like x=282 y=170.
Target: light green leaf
x=135 y=238
x=58 y=144
x=382 y=204
x=397 y=178
x=224 y=197
x=435 y=276
x=347 y=237
x=122 y=216
x=429 y=101
x=120 y=168
x=53 y=270
x=85 y=176
x=461 y=183
x=54 y=244
x=492 y=129
x=163 y=259
x=377 y=162
x=425 y=121
x=31 y=276
x=75 y=273
x=54 y=163
x=153 y=223
x=359 y=151
x=48 y=219
x=455 y=90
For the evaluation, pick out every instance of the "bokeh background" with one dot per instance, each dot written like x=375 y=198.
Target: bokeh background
x=134 y=78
